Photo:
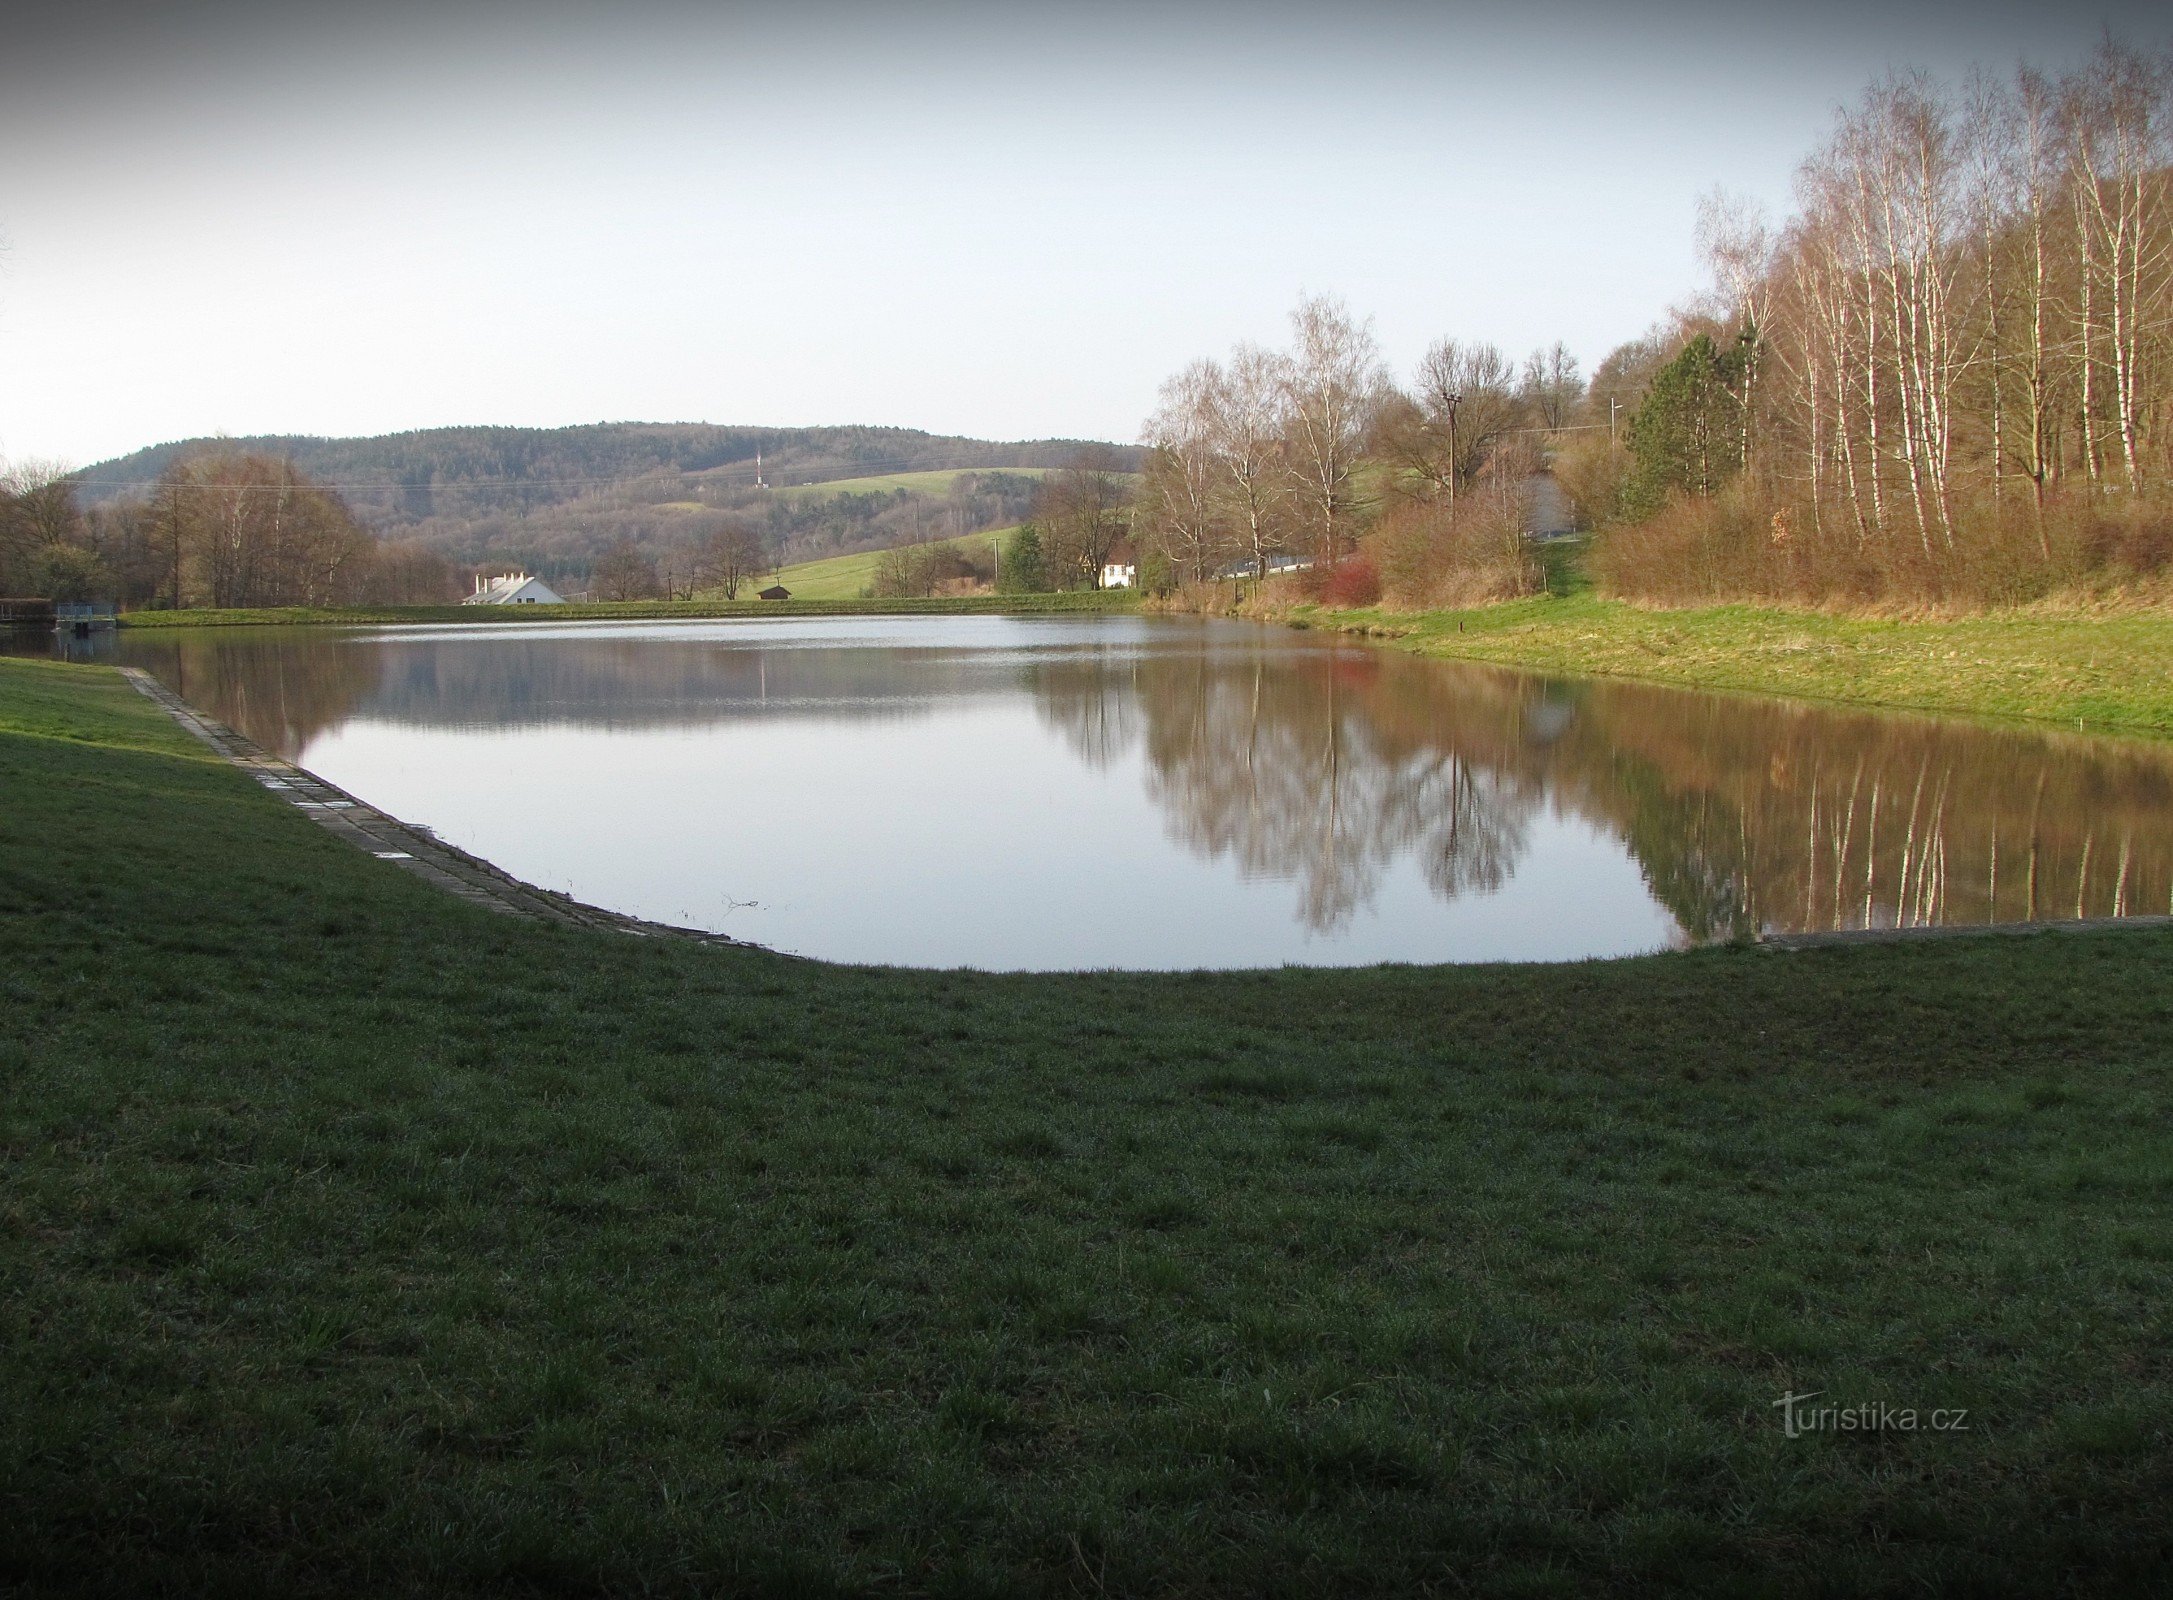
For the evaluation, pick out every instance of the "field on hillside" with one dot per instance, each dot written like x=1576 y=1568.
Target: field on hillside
x=848 y=577
x=934 y=483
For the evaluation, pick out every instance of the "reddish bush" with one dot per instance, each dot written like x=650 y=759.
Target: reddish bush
x=1353 y=581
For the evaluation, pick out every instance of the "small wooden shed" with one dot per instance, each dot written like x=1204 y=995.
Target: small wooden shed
x=776 y=591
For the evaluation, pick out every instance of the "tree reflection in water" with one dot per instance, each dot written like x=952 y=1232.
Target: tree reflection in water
x=1326 y=765
x=1279 y=762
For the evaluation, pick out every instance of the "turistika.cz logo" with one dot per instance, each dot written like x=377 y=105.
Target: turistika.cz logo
x=1799 y=1417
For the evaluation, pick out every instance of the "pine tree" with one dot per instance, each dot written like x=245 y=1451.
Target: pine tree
x=1023 y=570
x=1686 y=436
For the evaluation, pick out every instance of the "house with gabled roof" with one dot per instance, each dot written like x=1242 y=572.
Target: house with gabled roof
x=512 y=589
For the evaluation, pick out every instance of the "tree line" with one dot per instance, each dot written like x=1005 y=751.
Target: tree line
x=555 y=499
x=721 y=551
x=1316 y=454
x=221 y=528
x=1946 y=376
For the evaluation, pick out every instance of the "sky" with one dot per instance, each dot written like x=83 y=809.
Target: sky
x=1004 y=221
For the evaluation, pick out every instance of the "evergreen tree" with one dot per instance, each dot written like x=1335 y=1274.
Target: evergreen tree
x=1687 y=435
x=1023 y=569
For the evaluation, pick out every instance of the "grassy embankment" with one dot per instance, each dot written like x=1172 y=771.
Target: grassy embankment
x=2112 y=671
x=640 y=610
x=355 y=1239
x=849 y=577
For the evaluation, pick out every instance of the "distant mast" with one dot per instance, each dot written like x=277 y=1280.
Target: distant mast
x=759 y=484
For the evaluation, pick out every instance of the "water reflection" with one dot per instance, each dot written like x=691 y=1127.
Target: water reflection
x=1280 y=762
x=1327 y=789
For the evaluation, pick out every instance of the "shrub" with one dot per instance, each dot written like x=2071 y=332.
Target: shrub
x=1425 y=556
x=1741 y=545
x=1353 y=581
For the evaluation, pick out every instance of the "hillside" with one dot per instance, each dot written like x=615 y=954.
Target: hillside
x=849 y=577
x=555 y=498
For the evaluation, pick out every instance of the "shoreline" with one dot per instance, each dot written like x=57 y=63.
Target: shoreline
x=2109 y=674
x=1088 y=602
x=2102 y=676
x=417 y=850
x=406 y=845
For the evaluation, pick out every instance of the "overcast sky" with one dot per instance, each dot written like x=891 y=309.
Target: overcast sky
x=1006 y=220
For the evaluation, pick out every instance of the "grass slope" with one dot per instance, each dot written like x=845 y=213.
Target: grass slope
x=2111 y=672
x=935 y=483
x=849 y=577
x=353 y=1239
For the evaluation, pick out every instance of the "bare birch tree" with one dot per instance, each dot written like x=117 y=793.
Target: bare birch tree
x=1181 y=508
x=1333 y=388
x=1245 y=431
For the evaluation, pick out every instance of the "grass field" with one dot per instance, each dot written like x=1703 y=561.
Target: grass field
x=848 y=577
x=2112 y=672
x=935 y=483
x=354 y=1240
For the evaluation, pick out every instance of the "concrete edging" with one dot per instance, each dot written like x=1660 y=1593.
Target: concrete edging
x=407 y=846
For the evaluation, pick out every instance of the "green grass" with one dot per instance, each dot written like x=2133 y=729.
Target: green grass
x=848 y=577
x=935 y=483
x=634 y=610
x=353 y=1240
x=2112 y=672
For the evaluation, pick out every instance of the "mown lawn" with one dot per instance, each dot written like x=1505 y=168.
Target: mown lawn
x=2111 y=672
x=353 y=1240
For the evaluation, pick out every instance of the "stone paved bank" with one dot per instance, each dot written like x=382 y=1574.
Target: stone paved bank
x=410 y=848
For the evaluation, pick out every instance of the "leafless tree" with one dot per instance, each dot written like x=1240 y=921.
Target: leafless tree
x=1334 y=386
x=1464 y=403
x=625 y=572
x=1736 y=244
x=1552 y=385
x=251 y=530
x=1082 y=511
x=1245 y=431
x=1182 y=511
x=732 y=554
x=38 y=511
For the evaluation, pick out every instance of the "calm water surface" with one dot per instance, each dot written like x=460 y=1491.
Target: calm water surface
x=1146 y=792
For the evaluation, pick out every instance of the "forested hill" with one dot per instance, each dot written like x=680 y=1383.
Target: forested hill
x=556 y=497
x=400 y=478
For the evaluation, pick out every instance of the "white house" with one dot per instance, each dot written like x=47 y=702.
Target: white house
x=1121 y=570
x=513 y=589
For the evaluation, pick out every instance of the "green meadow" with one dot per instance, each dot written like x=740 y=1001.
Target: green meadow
x=2112 y=671
x=930 y=483
x=849 y=577
x=356 y=1240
